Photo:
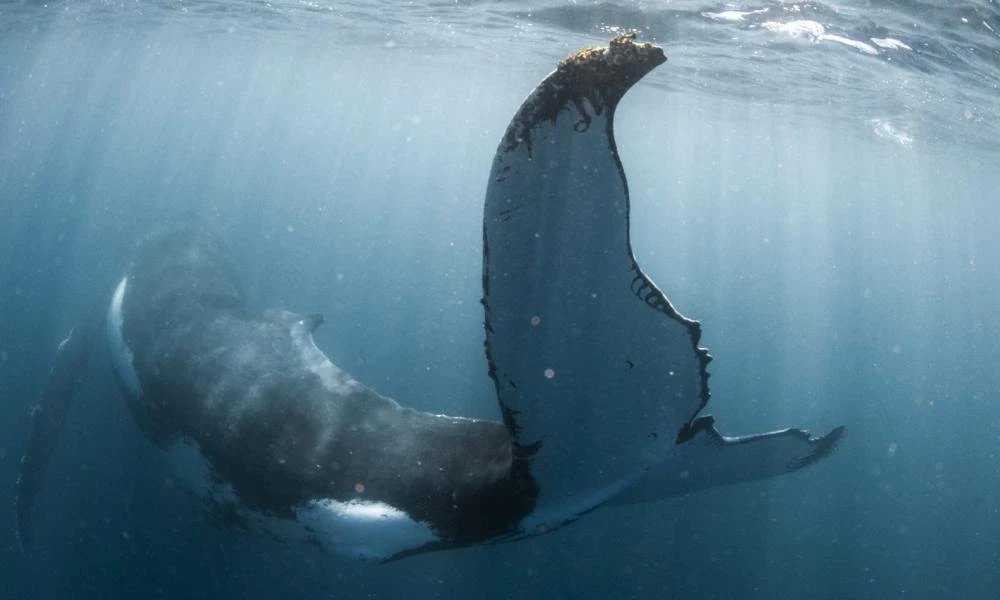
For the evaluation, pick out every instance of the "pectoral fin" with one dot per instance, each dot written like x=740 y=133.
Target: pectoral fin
x=49 y=414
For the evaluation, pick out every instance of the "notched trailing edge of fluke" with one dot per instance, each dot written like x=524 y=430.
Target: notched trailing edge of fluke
x=599 y=76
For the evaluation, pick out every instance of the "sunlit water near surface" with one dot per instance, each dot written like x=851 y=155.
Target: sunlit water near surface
x=816 y=182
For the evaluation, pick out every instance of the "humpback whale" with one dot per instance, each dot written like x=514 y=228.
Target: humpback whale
x=600 y=380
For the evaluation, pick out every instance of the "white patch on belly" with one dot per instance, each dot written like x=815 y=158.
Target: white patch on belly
x=359 y=529
x=356 y=529
x=121 y=355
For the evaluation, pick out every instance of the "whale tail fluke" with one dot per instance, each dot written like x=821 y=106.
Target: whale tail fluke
x=599 y=378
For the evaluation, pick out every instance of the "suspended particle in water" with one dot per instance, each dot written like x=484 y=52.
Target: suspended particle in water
x=549 y=373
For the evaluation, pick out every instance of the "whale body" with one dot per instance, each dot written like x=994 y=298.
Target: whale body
x=601 y=382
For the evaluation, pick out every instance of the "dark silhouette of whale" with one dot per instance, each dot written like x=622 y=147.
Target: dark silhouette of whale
x=601 y=381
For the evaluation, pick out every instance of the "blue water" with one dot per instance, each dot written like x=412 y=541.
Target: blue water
x=816 y=182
